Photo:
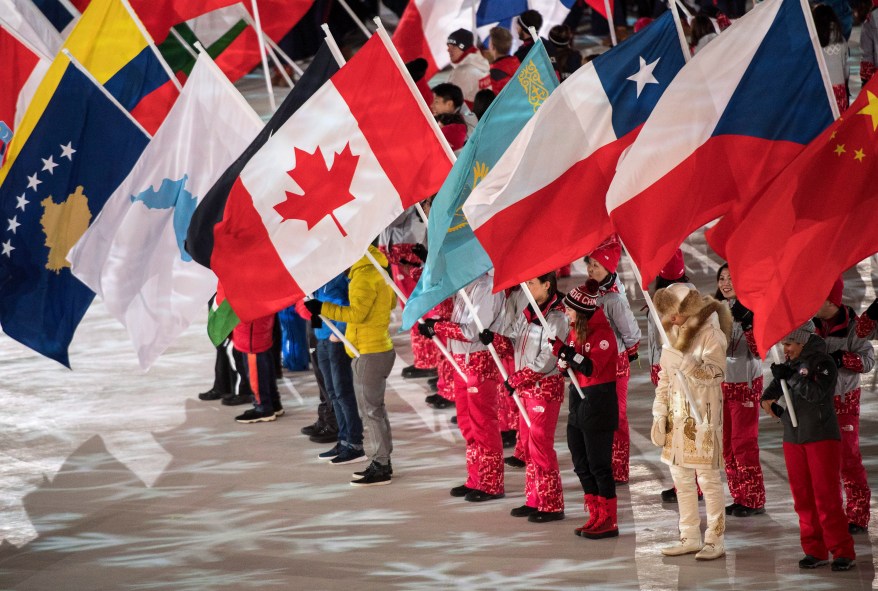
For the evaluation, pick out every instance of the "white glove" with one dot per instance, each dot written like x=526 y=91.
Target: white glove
x=670 y=359
x=657 y=433
x=688 y=365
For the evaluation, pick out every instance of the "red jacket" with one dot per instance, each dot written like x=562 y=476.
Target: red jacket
x=600 y=347
x=250 y=337
x=500 y=74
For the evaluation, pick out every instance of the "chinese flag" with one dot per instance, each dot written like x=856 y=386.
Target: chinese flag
x=815 y=220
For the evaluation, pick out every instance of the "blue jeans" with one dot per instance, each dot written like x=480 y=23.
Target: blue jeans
x=338 y=378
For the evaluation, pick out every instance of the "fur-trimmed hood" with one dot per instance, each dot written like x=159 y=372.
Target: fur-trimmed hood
x=678 y=299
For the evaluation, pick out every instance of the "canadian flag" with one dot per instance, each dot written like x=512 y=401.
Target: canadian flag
x=315 y=194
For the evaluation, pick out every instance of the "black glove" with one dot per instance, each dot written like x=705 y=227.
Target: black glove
x=486 y=337
x=782 y=371
x=314 y=306
x=742 y=315
x=872 y=311
x=838 y=356
x=633 y=357
x=428 y=328
x=420 y=251
x=509 y=388
x=777 y=409
x=582 y=364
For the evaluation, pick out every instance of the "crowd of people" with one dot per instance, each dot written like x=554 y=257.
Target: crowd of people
x=511 y=353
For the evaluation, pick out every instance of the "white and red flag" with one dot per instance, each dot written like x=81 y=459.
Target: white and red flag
x=424 y=28
x=316 y=193
x=23 y=69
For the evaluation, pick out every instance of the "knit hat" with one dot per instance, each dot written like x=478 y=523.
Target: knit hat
x=835 y=294
x=674 y=268
x=583 y=298
x=801 y=334
x=461 y=38
x=608 y=255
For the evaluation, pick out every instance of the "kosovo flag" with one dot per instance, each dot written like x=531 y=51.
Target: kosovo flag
x=81 y=148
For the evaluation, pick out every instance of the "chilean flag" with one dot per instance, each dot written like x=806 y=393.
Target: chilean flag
x=548 y=189
x=424 y=29
x=314 y=195
x=739 y=112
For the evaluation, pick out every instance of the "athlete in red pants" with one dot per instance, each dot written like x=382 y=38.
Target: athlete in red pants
x=811 y=450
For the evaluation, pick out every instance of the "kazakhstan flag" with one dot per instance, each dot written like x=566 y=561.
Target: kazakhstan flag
x=455 y=258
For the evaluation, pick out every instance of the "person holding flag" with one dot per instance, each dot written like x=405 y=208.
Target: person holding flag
x=540 y=385
x=812 y=449
x=476 y=395
x=693 y=367
x=590 y=351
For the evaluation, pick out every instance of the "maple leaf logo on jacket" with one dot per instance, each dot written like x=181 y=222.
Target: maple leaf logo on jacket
x=325 y=189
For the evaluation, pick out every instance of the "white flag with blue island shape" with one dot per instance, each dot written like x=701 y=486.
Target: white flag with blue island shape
x=132 y=256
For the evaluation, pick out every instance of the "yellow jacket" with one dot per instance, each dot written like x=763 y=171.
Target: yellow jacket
x=368 y=315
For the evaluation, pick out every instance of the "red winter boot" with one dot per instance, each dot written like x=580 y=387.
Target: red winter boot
x=605 y=526
x=591 y=506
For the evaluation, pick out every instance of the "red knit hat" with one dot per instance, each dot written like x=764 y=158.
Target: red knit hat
x=583 y=298
x=455 y=133
x=674 y=268
x=608 y=255
x=835 y=294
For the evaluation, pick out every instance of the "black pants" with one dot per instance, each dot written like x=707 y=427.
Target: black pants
x=227 y=376
x=590 y=428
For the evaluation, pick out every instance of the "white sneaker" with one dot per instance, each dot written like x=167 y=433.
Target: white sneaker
x=711 y=552
x=685 y=546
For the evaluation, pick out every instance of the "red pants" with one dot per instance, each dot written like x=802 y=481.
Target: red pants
x=476 y=400
x=542 y=486
x=813 y=473
x=509 y=415
x=622 y=438
x=853 y=474
x=426 y=354
x=741 y=442
x=446 y=374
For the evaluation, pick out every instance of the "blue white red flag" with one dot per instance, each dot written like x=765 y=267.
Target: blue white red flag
x=548 y=189
x=740 y=111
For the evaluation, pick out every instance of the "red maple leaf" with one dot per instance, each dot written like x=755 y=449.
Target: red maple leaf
x=325 y=189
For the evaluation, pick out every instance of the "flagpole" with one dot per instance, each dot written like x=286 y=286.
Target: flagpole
x=183 y=42
x=687 y=53
x=4 y=24
x=262 y=53
x=666 y=342
x=76 y=64
x=611 y=22
x=356 y=19
x=151 y=43
x=545 y=325
x=403 y=299
x=472 y=310
x=279 y=66
x=340 y=336
x=274 y=46
x=821 y=60
x=391 y=48
x=786 y=391
x=333 y=46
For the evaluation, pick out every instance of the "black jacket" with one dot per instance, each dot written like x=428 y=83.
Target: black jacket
x=811 y=390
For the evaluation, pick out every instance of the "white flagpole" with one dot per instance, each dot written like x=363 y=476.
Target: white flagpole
x=355 y=18
x=821 y=59
x=340 y=336
x=274 y=46
x=786 y=391
x=545 y=324
x=611 y=22
x=279 y=66
x=666 y=342
x=183 y=42
x=472 y=310
x=262 y=54
x=681 y=35
x=403 y=299
x=76 y=64
x=333 y=46
x=149 y=40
